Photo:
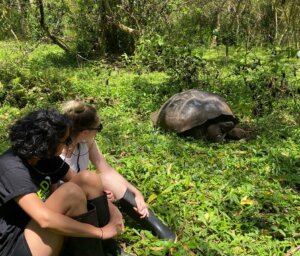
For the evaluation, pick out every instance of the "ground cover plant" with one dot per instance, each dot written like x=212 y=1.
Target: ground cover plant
x=231 y=198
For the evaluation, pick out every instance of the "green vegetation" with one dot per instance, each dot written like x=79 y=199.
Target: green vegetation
x=127 y=58
x=232 y=198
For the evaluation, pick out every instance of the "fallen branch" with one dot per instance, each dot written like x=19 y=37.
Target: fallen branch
x=112 y=20
x=293 y=251
x=55 y=39
x=121 y=26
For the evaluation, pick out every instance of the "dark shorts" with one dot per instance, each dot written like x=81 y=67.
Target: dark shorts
x=21 y=248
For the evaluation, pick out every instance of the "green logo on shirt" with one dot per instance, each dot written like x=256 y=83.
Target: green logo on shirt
x=44 y=191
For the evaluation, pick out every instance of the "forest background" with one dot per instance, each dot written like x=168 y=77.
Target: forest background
x=127 y=57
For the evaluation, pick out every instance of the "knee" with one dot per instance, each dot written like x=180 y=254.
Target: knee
x=90 y=179
x=74 y=195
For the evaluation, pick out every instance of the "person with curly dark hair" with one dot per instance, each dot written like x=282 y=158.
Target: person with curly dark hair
x=34 y=220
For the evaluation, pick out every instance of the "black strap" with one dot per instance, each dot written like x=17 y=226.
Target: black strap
x=78 y=166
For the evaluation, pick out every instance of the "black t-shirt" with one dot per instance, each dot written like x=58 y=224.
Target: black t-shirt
x=18 y=178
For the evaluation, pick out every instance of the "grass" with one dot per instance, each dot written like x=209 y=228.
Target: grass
x=232 y=198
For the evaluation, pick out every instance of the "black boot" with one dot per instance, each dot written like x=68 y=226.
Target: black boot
x=110 y=246
x=79 y=246
x=152 y=223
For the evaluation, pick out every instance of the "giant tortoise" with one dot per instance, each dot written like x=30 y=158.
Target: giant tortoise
x=198 y=114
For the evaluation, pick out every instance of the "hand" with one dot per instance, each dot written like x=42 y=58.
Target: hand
x=110 y=196
x=110 y=231
x=116 y=223
x=141 y=206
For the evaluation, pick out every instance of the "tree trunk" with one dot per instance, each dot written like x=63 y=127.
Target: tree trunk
x=276 y=24
x=213 y=42
x=44 y=27
x=226 y=54
x=23 y=6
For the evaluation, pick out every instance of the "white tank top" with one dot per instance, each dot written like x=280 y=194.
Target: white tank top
x=80 y=157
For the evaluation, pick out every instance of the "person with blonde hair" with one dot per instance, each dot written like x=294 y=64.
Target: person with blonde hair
x=35 y=220
x=84 y=149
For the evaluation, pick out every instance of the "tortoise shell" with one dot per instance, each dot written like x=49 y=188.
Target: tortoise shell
x=190 y=109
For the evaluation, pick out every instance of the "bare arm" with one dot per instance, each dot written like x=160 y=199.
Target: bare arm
x=55 y=222
x=98 y=160
x=64 y=225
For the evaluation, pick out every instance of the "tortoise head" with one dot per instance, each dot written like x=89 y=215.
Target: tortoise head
x=154 y=117
x=216 y=132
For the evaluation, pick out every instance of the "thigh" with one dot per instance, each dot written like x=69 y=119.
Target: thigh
x=69 y=200
x=113 y=182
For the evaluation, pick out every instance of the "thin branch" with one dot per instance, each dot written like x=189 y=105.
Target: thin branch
x=293 y=251
x=55 y=39
x=112 y=20
x=121 y=26
x=14 y=34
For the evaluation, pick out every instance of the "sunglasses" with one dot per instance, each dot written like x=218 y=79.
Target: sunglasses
x=68 y=141
x=98 y=129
